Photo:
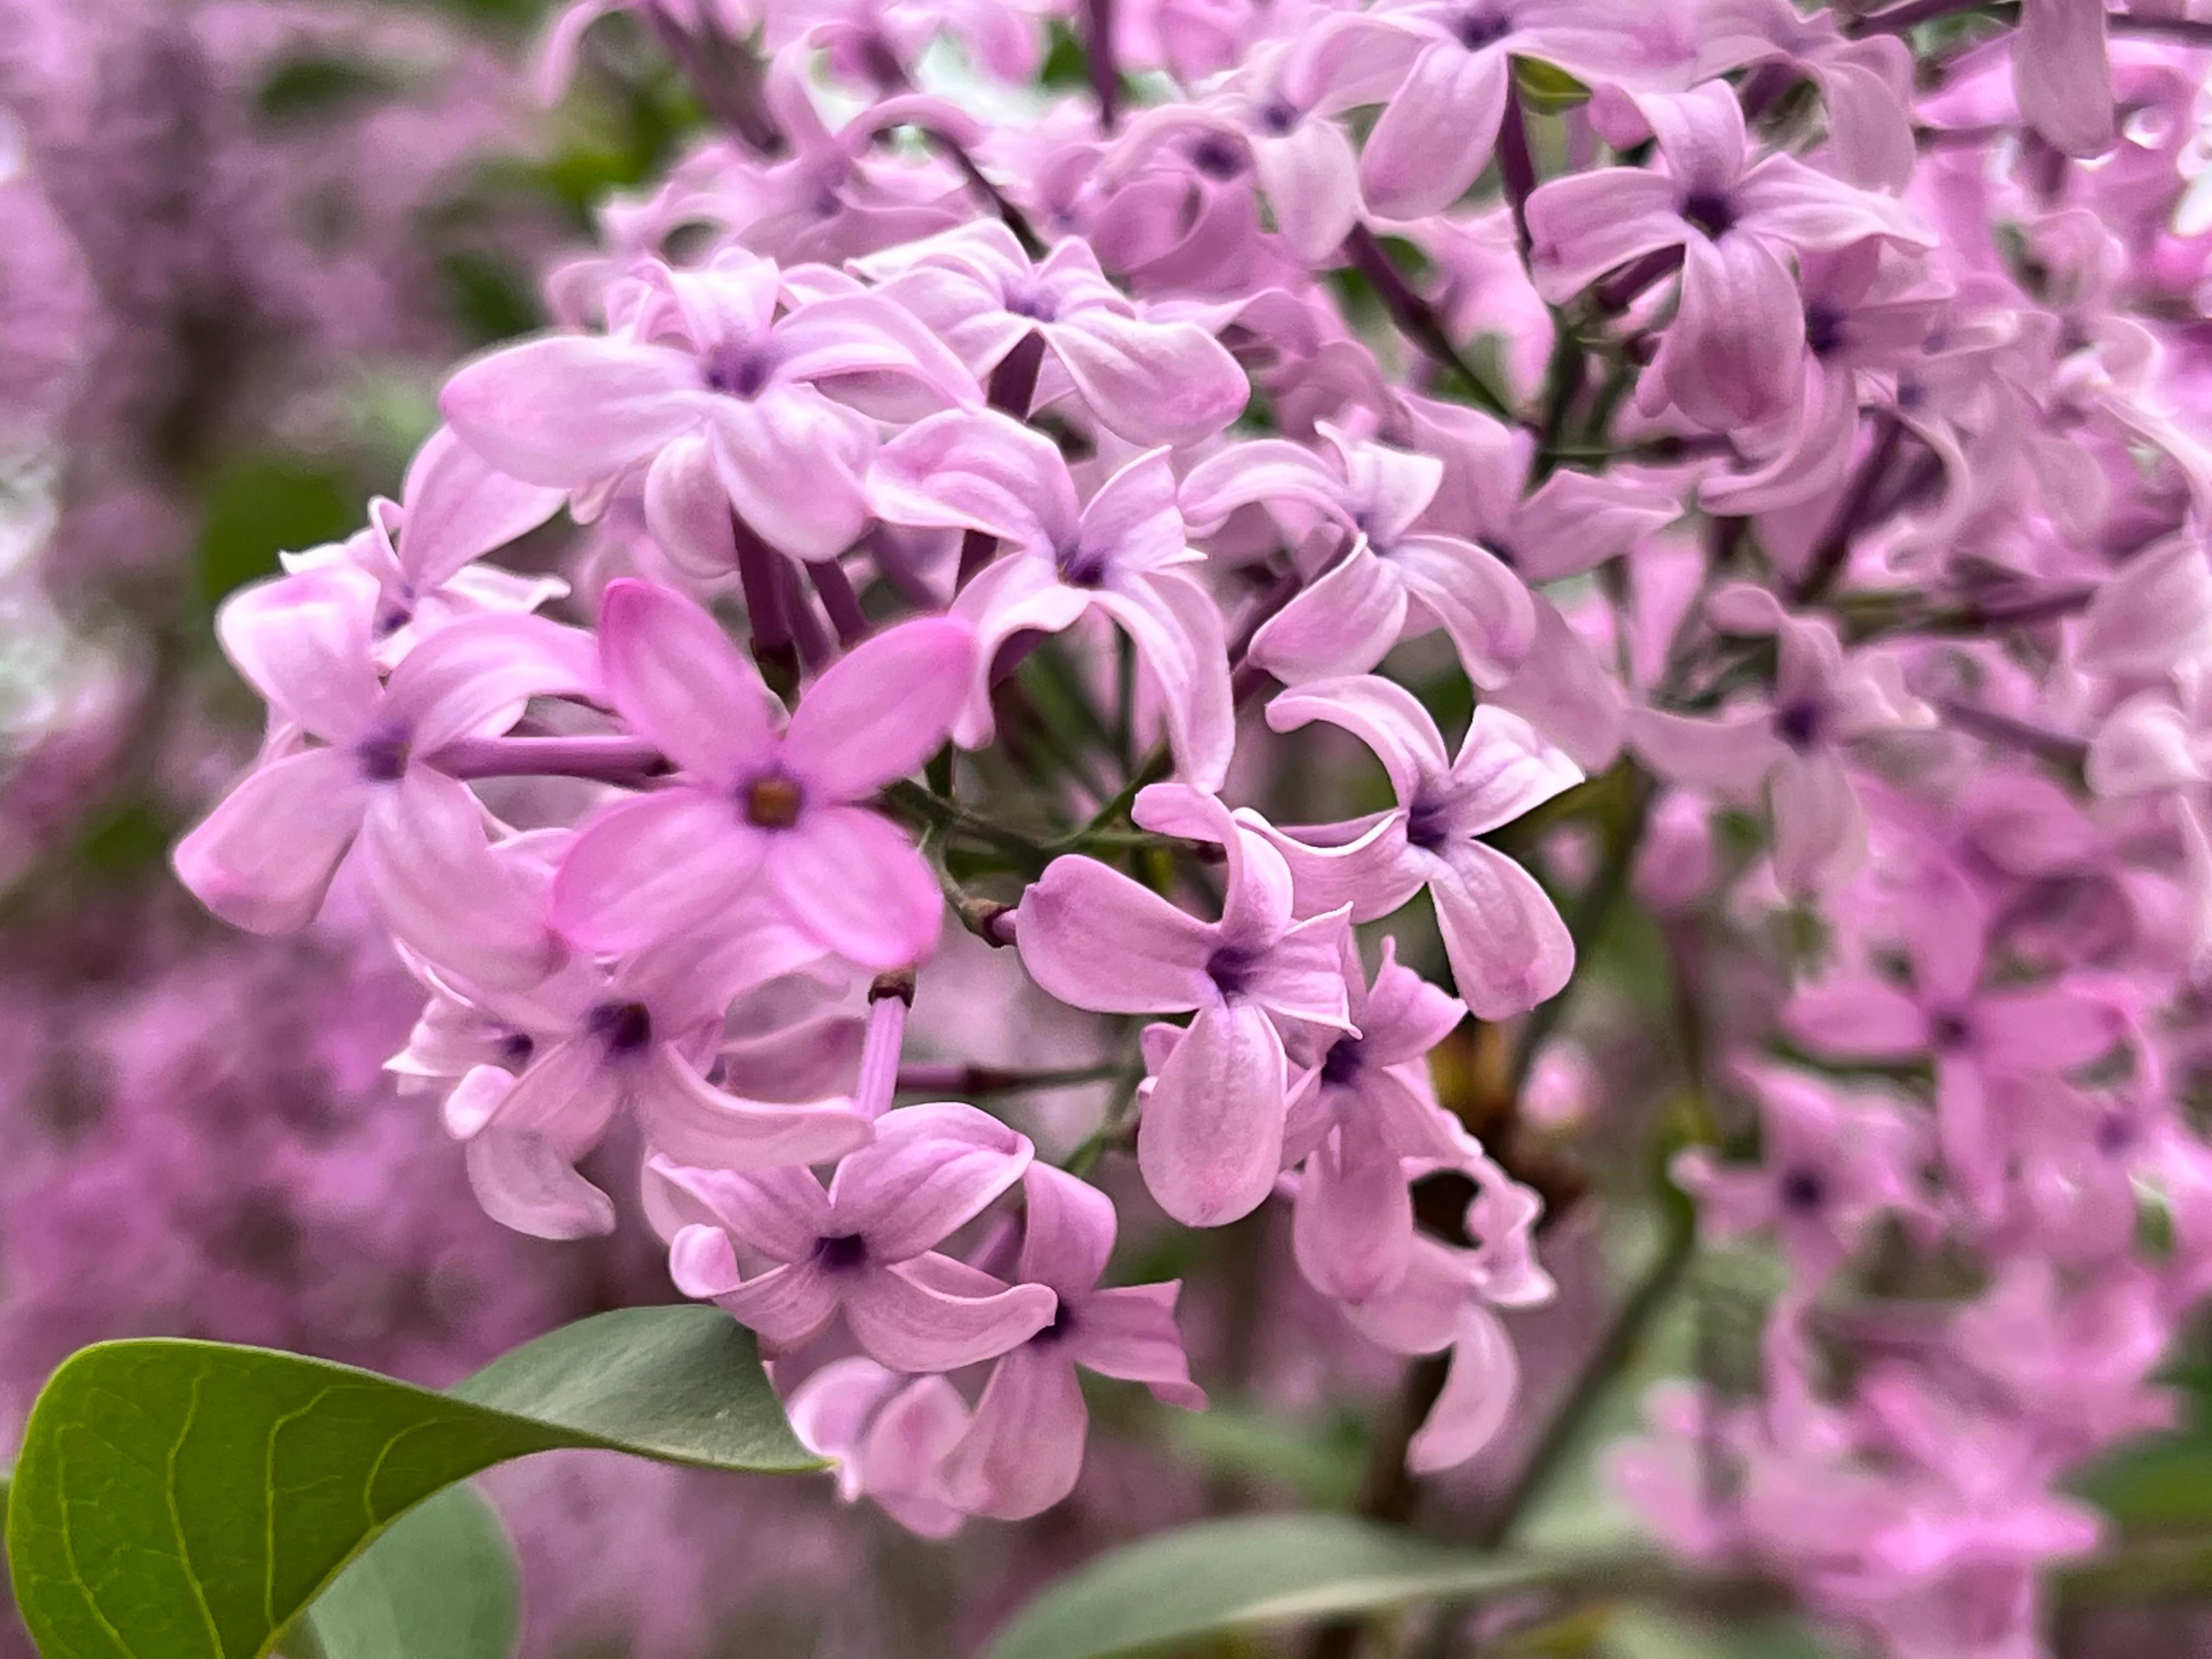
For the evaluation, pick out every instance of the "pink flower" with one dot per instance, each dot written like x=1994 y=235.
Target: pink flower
x=863 y=1246
x=1149 y=381
x=753 y=803
x=890 y=1437
x=1023 y=1451
x=701 y=379
x=1211 y=1140
x=1508 y=949
x=2063 y=73
x=263 y=859
x=1363 y=1111
x=1122 y=554
x=1387 y=580
x=1729 y=358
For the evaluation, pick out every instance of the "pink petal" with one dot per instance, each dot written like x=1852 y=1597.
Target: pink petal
x=1263 y=470
x=787 y=1307
x=1023 y=1451
x=1854 y=1018
x=694 y=1123
x=442 y=891
x=1820 y=828
x=1133 y=523
x=1508 y=947
x=473 y=676
x=1094 y=939
x=1732 y=753
x=460 y=508
x=903 y=1323
x=648 y=868
x=977 y=472
x=1211 y=1140
x=1302 y=976
x=781 y=1213
x=1424 y=1311
x=794 y=432
x=1478 y=1394
x=2063 y=73
x=1503 y=769
x=881 y=711
x=1370 y=874
x=263 y=859
x=1478 y=601
x=1870 y=123
x=868 y=351
x=677 y=680
x=1151 y=383
x=1352 y=1229
x=931 y=1170
x=1587 y=224
x=1312 y=181
x=703 y=1264
x=302 y=643
x=1067 y=1231
x=687 y=511
x=1383 y=715
x=569 y=410
x=902 y=1460
x=1130 y=1333
x=524 y=1181
x=1564 y=692
x=1176 y=627
x=1731 y=359
x=1344 y=622
x=2045 y=1031
x=1783 y=199
x=854 y=883
x=1435 y=133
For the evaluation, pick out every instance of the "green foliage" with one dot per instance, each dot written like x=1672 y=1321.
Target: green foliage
x=257 y=506
x=1222 y=1576
x=313 y=86
x=440 y=1584
x=185 y=1500
x=1545 y=88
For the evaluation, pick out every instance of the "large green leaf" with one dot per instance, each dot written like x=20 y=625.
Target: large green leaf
x=185 y=1500
x=1228 y=1574
x=438 y=1584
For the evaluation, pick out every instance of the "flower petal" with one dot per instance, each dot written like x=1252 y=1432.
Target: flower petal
x=459 y=507
x=1129 y=1332
x=694 y=1123
x=1023 y=1451
x=1352 y=1229
x=1383 y=715
x=1067 y=1231
x=1435 y=133
x=930 y=1170
x=263 y=859
x=1344 y=622
x=677 y=680
x=853 y=882
x=1478 y=1394
x=1211 y=1140
x=1094 y=939
x=524 y=1181
x=1151 y=383
x=909 y=1326
x=569 y=410
x=1508 y=947
x=649 y=868
x=882 y=710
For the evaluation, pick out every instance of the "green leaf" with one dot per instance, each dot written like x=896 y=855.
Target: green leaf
x=259 y=506
x=1547 y=88
x=1230 y=1574
x=185 y=1500
x=1646 y=1633
x=440 y=1585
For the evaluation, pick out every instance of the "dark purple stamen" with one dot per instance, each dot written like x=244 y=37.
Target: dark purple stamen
x=1710 y=211
x=382 y=755
x=1217 y=158
x=1824 y=331
x=624 y=1027
x=737 y=371
x=1426 y=824
x=1798 y=723
x=1802 y=1191
x=1948 y=1029
x=1481 y=28
x=842 y=1253
x=1062 y=1326
x=1231 y=969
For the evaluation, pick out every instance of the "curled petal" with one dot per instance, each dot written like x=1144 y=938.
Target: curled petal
x=1129 y=1332
x=2063 y=76
x=1381 y=713
x=1478 y=1392
x=791 y=433
x=569 y=410
x=460 y=508
x=1564 y=692
x=694 y=1123
x=931 y=1170
x=780 y=1211
x=1211 y=1140
x=1508 y=947
x=1094 y=939
x=1344 y=622
x=1023 y=1451
x=1361 y=867
x=523 y=1181
x=902 y=1322
x=1067 y=1231
x=785 y=1306
x=1312 y=181
x=703 y=1264
x=1152 y=383
x=1352 y=1230
x=1436 y=134
x=302 y=643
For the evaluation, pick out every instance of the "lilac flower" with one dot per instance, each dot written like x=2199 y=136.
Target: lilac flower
x=888 y=1435
x=863 y=1246
x=1365 y=1109
x=263 y=859
x=2062 y=75
x=1795 y=746
x=1980 y=1037
x=418 y=554
x=753 y=803
x=1023 y=1449
x=1150 y=381
x=701 y=372
x=1508 y=949
x=1388 y=573
x=1122 y=554
x=1728 y=359
x=1211 y=1140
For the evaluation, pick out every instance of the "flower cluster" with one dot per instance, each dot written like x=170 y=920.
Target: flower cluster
x=1096 y=493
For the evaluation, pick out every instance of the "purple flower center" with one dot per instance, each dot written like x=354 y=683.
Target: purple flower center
x=1710 y=211
x=1802 y=1191
x=1081 y=567
x=737 y=370
x=382 y=755
x=1231 y=969
x=1278 y=116
x=1480 y=28
x=1824 y=329
x=773 y=802
x=842 y=1253
x=1343 y=1063
x=624 y=1027
x=1425 y=824
x=516 y=1047
x=1062 y=1326
x=1216 y=157
x=1034 y=303
x=1798 y=723
x=1948 y=1029
x=2115 y=1135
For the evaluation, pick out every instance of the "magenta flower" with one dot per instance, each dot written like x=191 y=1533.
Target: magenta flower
x=890 y=1437
x=1211 y=1140
x=1796 y=747
x=1981 y=1038
x=1731 y=358
x=593 y=1044
x=1147 y=381
x=1023 y=1451
x=1121 y=554
x=1364 y=1110
x=1508 y=947
x=863 y=1246
x=1390 y=579
x=2062 y=73
x=750 y=802
x=418 y=554
x=263 y=859
x=701 y=372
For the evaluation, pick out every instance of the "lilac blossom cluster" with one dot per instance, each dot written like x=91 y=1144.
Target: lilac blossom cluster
x=1837 y=508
